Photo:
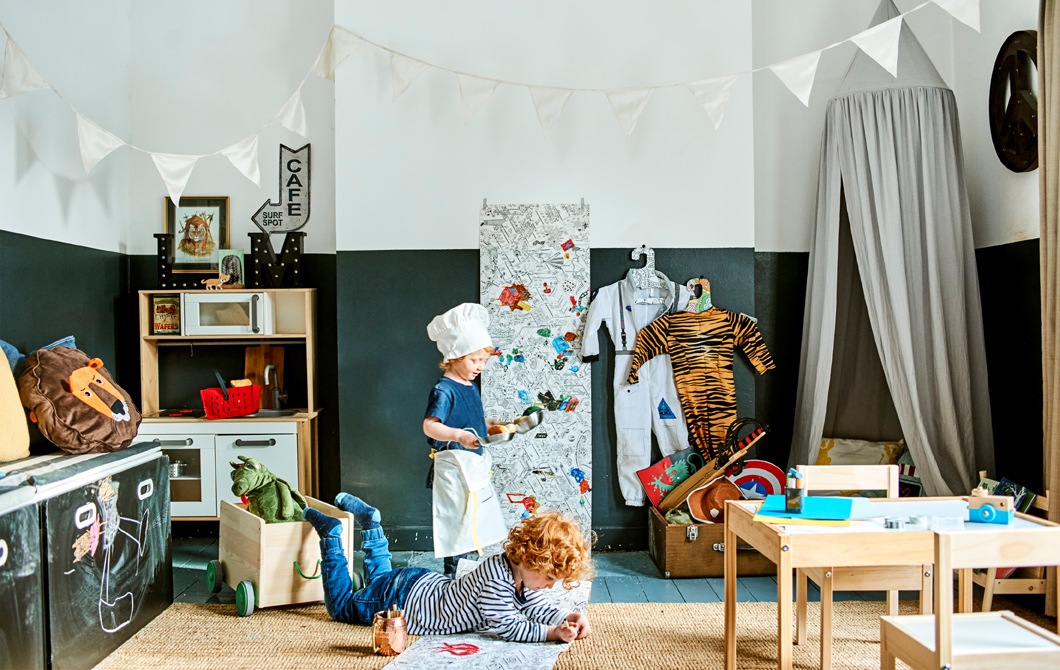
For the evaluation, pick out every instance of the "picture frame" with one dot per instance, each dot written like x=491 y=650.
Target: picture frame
x=230 y=263
x=199 y=225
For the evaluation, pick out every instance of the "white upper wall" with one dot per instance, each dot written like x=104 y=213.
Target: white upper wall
x=182 y=78
x=413 y=175
x=1004 y=203
x=84 y=54
x=197 y=76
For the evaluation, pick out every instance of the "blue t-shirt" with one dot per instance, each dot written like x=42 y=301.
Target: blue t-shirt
x=458 y=406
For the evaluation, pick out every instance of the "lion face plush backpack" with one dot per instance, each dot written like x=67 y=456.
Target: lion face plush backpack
x=75 y=402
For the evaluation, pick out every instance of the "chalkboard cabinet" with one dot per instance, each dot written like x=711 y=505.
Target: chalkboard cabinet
x=174 y=366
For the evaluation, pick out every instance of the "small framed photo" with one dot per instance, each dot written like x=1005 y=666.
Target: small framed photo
x=231 y=268
x=199 y=226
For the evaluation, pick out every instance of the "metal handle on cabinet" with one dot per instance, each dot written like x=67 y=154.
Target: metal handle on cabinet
x=256 y=443
x=254 y=314
x=187 y=442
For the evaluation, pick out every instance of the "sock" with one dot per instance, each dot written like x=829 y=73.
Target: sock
x=323 y=524
x=367 y=516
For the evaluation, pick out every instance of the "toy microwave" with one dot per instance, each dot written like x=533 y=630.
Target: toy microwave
x=227 y=313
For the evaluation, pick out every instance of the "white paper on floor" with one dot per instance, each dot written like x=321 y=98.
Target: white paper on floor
x=486 y=651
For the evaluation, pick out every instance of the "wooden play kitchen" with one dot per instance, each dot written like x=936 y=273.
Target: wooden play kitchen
x=270 y=564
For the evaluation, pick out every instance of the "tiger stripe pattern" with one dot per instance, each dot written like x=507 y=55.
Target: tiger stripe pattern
x=701 y=348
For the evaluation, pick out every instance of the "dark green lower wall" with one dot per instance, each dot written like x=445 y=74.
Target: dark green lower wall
x=376 y=365
x=387 y=367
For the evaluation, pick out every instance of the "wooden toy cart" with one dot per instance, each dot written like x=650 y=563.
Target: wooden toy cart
x=271 y=564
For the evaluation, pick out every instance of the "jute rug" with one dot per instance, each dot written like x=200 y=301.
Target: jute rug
x=625 y=636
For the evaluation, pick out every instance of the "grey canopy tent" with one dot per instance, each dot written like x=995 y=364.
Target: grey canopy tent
x=892 y=342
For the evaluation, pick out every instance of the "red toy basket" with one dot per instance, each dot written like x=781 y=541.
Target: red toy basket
x=242 y=400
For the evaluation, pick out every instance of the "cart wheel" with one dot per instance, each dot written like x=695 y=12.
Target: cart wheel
x=214 y=576
x=358 y=580
x=245 y=598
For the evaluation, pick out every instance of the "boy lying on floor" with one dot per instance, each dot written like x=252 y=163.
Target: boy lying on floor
x=503 y=594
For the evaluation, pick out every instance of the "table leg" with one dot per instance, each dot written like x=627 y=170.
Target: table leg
x=964 y=590
x=730 y=598
x=784 y=618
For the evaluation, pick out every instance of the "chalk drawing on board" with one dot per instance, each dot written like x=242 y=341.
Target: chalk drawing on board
x=534 y=280
x=101 y=524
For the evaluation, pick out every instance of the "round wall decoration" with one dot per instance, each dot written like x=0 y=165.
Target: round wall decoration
x=1013 y=102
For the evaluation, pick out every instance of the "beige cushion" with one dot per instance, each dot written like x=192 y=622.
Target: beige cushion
x=836 y=451
x=14 y=431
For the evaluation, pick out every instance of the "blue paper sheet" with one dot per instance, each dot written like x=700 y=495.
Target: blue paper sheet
x=825 y=508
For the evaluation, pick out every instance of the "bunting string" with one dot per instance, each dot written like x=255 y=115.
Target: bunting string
x=879 y=42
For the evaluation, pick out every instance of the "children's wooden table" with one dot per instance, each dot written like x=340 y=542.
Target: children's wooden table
x=864 y=542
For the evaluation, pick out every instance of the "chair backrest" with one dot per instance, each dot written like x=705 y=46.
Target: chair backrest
x=987 y=548
x=851 y=478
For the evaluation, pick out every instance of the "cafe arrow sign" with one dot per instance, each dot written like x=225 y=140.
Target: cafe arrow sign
x=292 y=211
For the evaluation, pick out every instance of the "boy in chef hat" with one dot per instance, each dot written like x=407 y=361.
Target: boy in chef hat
x=466 y=511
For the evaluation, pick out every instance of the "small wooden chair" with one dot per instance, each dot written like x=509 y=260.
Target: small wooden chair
x=976 y=639
x=875 y=578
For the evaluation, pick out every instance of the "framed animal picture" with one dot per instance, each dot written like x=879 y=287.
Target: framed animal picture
x=199 y=226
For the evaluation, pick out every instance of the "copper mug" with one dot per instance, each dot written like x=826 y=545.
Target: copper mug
x=389 y=634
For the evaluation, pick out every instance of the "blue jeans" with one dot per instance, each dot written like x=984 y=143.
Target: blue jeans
x=383 y=587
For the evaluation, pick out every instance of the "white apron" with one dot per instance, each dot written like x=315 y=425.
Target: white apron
x=467 y=514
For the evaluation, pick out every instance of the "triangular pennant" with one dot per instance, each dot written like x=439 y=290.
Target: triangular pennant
x=628 y=103
x=798 y=74
x=96 y=143
x=403 y=71
x=713 y=94
x=474 y=92
x=244 y=156
x=19 y=75
x=292 y=116
x=549 y=103
x=965 y=11
x=340 y=45
x=880 y=43
x=174 y=170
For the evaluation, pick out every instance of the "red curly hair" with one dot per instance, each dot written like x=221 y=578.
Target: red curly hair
x=444 y=365
x=551 y=544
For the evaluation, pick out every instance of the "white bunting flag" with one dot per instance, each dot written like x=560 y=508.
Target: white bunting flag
x=174 y=170
x=628 y=103
x=798 y=74
x=292 y=116
x=403 y=71
x=549 y=104
x=474 y=92
x=881 y=43
x=19 y=75
x=341 y=44
x=965 y=11
x=713 y=94
x=96 y=143
x=244 y=156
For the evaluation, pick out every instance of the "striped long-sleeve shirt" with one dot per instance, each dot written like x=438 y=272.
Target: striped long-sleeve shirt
x=484 y=599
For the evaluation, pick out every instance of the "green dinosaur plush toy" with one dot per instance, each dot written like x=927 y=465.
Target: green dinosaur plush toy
x=266 y=495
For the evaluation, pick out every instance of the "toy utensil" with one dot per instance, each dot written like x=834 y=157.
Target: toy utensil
x=223 y=383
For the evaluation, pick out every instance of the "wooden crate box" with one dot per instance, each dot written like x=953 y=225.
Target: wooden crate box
x=697 y=550
x=264 y=554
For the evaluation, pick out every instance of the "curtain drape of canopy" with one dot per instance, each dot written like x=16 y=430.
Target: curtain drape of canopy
x=1049 y=198
x=891 y=157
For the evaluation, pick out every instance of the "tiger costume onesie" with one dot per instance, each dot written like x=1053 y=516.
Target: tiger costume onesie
x=701 y=348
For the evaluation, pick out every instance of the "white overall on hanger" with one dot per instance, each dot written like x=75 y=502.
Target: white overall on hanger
x=466 y=511
x=652 y=404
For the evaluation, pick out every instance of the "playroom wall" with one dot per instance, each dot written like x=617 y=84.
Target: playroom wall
x=397 y=184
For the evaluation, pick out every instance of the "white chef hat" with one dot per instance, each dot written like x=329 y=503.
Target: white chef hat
x=460 y=331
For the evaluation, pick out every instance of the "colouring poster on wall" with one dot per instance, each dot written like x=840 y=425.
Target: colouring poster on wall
x=534 y=279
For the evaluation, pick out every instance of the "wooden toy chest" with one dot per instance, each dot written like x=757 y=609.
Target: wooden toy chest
x=697 y=550
x=271 y=564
